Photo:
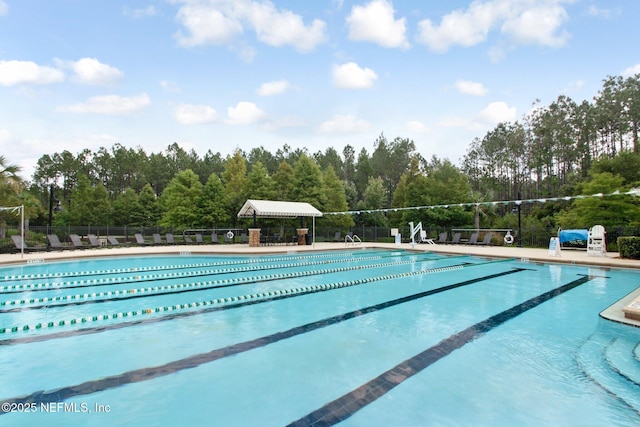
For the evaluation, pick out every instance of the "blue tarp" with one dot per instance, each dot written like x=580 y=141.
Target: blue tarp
x=574 y=236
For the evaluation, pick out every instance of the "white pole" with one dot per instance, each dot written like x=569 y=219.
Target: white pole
x=22 y=230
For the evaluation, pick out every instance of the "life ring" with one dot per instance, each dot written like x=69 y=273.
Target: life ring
x=508 y=238
x=229 y=234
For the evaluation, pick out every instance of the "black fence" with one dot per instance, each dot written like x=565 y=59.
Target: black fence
x=35 y=236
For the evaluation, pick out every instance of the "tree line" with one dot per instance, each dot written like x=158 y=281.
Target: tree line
x=565 y=148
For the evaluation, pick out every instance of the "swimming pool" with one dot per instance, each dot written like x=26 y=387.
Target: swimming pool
x=362 y=337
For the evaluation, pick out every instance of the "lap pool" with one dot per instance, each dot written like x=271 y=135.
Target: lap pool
x=349 y=338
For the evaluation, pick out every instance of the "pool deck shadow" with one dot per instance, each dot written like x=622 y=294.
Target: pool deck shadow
x=575 y=257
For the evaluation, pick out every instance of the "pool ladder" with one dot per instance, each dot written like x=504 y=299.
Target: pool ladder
x=352 y=240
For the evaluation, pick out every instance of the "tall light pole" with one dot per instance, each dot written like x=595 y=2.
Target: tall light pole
x=58 y=208
x=519 y=203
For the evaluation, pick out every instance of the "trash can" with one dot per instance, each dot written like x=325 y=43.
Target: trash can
x=309 y=238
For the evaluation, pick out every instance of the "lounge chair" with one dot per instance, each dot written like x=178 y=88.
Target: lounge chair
x=187 y=239
x=94 y=242
x=596 y=243
x=486 y=241
x=113 y=241
x=54 y=243
x=22 y=246
x=244 y=238
x=170 y=239
x=214 y=237
x=157 y=239
x=76 y=241
x=140 y=239
x=199 y=239
x=424 y=239
x=473 y=239
x=337 y=237
x=442 y=237
x=455 y=239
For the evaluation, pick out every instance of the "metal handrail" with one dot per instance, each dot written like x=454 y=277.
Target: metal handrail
x=348 y=239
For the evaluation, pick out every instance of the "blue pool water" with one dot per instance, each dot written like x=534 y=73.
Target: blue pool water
x=353 y=338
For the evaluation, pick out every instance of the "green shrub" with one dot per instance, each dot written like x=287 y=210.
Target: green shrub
x=629 y=247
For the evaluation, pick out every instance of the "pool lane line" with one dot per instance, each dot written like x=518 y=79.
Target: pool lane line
x=36 y=287
x=133 y=293
x=272 y=296
x=42 y=287
x=149 y=373
x=345 y=406
x=259 y=296
x=62 y=275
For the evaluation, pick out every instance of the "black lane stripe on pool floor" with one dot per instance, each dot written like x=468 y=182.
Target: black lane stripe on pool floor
x=144 y=374
x=345 y=406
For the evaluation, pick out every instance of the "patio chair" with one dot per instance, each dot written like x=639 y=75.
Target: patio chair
x=140 y=240
x=486 y=241
x=455 y=239
x=94 y=242
x=187 y=239
x=170 y=239
x=54 y=242
x=157 y=239
x=337 y=237
x=442 y=237
x=424 y=239
x=473 y=240
x=76 y=241
x=199 y=239
x=596 y=243
x=214 y=237
x=21 y=245
x=244 y=238
x=113 y=241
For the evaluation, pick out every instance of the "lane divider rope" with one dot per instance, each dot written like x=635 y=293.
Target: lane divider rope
x=164 y=276
x=227 y=300
x=168 y=289
x=59 y=275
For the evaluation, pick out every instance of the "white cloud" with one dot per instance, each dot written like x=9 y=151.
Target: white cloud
x=108 y=105
x=27 y=72
x=352 y=76
x=206 y=25
x=464 y=28
x=521 y=21
x=416 y=127
x=169 y=86
x=281 y=28
x=631 y=71
x=497 y=112
x=343 y=124
x=189 y=114
x=275 y=87
x=538 y=25
x=601 y=13
x=90 y=71
x=470 y=88
x=220 y=21
x=374 y=22
x=245 y=113
x=4 y=8
x=142 y=12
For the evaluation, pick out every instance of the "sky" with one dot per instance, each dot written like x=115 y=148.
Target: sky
x=222 y=75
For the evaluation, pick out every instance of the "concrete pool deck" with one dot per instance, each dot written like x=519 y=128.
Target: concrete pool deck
x=576 y=257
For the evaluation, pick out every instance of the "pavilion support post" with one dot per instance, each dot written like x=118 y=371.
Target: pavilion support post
x=254 y=237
